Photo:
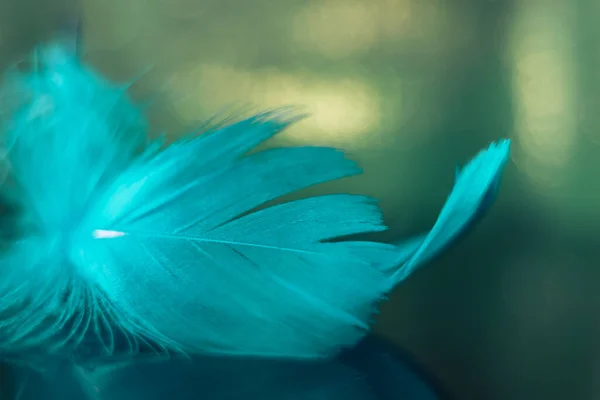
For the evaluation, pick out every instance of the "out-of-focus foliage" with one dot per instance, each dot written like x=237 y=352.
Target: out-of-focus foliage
x=410 y=88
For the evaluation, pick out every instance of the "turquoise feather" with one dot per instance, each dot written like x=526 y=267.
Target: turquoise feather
x=129 y=245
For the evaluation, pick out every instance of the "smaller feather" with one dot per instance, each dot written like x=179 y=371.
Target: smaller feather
x=474 y=192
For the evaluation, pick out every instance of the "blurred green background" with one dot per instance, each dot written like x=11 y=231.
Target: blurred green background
x=409 y=88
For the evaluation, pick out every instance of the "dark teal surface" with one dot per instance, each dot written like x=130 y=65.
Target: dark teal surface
x=374 y=370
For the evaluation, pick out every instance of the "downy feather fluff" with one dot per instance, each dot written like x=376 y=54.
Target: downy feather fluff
x=128 y=245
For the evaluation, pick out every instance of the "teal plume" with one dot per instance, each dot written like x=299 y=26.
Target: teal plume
x=126 y=245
